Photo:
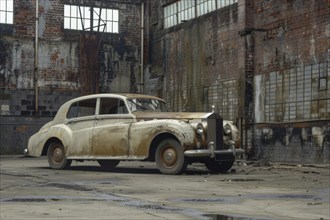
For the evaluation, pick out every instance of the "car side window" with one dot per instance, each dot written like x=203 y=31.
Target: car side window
x=82 y=108
x=112 y=106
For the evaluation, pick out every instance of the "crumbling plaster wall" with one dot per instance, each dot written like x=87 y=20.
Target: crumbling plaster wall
x=120 y=58
x=58 y=64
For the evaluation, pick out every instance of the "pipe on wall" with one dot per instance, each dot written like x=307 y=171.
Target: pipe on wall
x=36 y=75
x=142 y=50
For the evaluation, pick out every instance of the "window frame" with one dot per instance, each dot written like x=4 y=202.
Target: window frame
x=77 y=18
x=178 y=12
x=171 y=18
x=113 y=22
x=108 y=104
x=205 y=6
x=7 y=12
x=186 y=10
x=74 y=112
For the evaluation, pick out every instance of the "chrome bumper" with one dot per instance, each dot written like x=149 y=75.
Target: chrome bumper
x=211 y=152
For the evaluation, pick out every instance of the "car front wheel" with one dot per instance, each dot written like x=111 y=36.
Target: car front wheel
x=170 y=158
x=56 y=156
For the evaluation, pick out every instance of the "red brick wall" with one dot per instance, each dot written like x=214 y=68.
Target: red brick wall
x=60 y=50
x=24 y=18
x=274 y=74
x=298 y=32
x=61 y=66
x=292 y=81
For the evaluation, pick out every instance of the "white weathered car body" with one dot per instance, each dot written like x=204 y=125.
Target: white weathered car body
x=113 y=127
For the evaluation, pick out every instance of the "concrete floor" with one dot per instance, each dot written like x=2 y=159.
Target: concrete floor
x=29 y=189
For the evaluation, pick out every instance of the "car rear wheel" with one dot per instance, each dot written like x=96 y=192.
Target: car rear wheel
x=108 y=164
x=56 y=156
x=170 y=158
x=221 y=167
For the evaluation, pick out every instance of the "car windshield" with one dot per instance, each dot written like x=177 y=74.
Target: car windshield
x=149 y=105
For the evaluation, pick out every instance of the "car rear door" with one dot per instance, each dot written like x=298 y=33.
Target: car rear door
x=110 y=134
x=81 y=119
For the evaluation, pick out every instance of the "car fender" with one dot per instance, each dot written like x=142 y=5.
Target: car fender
x=143 y=133
x=42 y=138
x=63 y=133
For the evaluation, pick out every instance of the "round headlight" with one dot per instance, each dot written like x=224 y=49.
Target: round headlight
x=227 y=129
x=200 y=128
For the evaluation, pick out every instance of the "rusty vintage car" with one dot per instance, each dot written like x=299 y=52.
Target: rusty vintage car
x=109 y=128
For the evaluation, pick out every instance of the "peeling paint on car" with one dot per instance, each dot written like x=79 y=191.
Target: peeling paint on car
x=126 y=135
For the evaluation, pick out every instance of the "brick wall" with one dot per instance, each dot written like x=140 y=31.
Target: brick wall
x=297 y=33
x=61 y=68
x=59 y=48
x=197 y=60
x=292 y=81
x=263 y=62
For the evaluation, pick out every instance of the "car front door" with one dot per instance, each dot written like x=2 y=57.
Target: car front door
x=110 y=134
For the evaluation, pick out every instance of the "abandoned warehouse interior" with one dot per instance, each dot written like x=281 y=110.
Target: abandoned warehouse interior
x=263 y=64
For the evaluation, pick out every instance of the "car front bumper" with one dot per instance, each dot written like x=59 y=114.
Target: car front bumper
x=212 y=152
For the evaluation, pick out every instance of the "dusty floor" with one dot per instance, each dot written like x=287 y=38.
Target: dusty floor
x=136 y=190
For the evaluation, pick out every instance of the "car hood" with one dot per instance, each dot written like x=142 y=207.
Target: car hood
x=171 y=115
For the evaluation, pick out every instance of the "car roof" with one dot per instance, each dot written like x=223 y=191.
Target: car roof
x=60 y=116
x=116 y=95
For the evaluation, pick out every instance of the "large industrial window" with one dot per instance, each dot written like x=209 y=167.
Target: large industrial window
x=6 y=11
x=224 y=3
x=184 y=10
x=105 y=20
x=205 y=6
x=91 y=18
x=77 y=17
x=170 y=15
x=297 y=94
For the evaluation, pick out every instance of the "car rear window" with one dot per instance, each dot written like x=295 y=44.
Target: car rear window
x=82 y=108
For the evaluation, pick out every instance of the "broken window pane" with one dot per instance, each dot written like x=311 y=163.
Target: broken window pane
x=79 y=18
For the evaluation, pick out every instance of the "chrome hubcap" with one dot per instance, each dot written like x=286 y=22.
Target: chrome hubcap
x=169 y=156
x=57 y=155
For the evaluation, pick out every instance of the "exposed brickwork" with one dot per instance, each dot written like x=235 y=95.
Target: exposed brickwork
x=292 y=81
x=60 y=67
x=297 y=33
x=198 y=55
x=24 y=19
x=21 y=102
x=60 y=50
x=51 y=19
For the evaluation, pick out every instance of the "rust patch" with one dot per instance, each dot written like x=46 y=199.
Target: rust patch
x=22 y=128
x=55 y=56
